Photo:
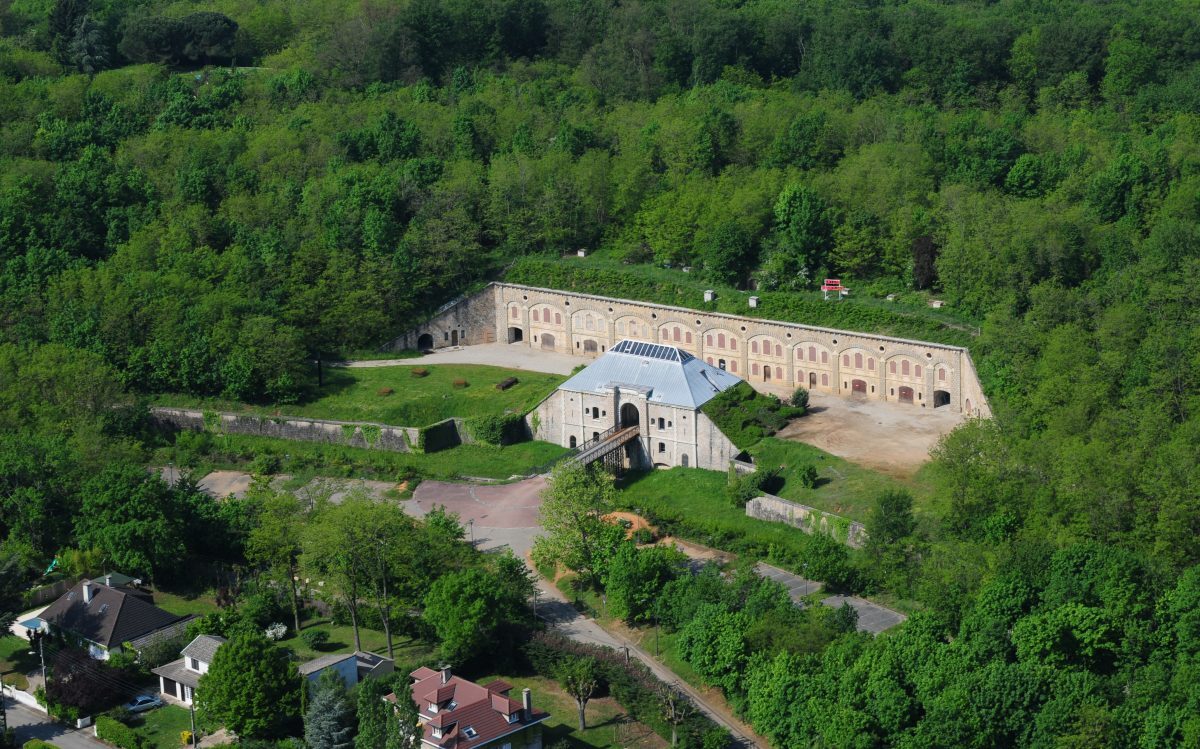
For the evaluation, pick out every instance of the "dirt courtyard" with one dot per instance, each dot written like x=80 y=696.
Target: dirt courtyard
x=893 y=438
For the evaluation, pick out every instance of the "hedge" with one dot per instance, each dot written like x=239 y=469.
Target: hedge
x=38 y=744
x=118 y=734
x=503 y=429
x=630 y=684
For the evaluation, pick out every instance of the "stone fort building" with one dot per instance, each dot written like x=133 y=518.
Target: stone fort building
x=774 y=357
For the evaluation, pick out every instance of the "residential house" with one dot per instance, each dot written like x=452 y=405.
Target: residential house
x=351 y=668
x=460 y=714
x=179 y=679
x=105 y=619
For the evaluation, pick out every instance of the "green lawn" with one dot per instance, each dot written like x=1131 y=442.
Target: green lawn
x=162 y=727
x=15 y=661
x=608 y=724
x=341 y=640
x=182 y=604
x=310 y=458
x=361 y=395
x=843 y=488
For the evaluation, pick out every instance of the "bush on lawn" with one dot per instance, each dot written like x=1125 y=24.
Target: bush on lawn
x=799 y=398
x=37 y=744
x=743 y=487
x=315 y=639
x=117 y=734
x=419 y=372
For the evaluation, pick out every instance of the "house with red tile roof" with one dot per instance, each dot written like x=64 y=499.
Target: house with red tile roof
x=460 y=714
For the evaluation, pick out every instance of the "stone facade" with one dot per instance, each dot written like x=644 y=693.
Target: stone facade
x=808 y=519
x=351 y=434
x=774 y=357
x=670 y=435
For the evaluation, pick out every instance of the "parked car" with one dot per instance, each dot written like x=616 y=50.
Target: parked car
x=142 y=703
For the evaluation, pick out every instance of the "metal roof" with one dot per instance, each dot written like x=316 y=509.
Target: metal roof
x=668 y=375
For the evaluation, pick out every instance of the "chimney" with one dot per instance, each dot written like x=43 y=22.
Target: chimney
x=445 y=674
x=108 y=579
x=527 y=703
x=709 y=295
x=87 y=592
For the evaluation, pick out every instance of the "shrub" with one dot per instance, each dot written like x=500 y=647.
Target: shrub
x=385 y=391
x=506 y=383
x=643 y=536
x=419 y=372
x=799 y=398
x=315 y=638
x=276 y=632
x=460 y=383
x=504 y=429
x=38 y=744
x=741 y=488
x=121 y=736
x=745 y=416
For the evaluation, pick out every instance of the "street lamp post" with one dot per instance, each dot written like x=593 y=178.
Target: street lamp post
x=806 y=578
x=471 y=526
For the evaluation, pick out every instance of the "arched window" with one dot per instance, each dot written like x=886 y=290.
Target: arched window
x=720 y=340
x=754 y=347
x=676 y=335
x=572 y=443
x=595 y=413
x=942 y=375
x=904 y=367
x=812 y=353
x=515 y=312
x=707 y=340
x=845 y=360
x=721 y=363
x=709 y=360
x=918 y=372
x=824 y=357
x=858 y=361
x=662 y=423
x=753 y=369
x=588 y=323
x=871 y=363
x=536 y=317
x=683 y=460
x=779 y=350
x=620 y=328
x=595 y=435
x=733 y=366
x=688 y=337
x=666 y=334
x=557 y=318
x=779 y=373
x=892 y=367
x=825 y=380
x=733 y=343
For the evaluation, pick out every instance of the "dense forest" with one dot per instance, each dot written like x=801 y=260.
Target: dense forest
x=199 y=197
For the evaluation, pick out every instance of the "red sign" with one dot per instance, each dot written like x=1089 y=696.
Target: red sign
x=833 y=283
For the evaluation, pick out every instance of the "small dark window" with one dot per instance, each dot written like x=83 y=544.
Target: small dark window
x=572 y=443
x=662 y=447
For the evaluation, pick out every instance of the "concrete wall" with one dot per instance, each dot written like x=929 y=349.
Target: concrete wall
x=351 y=434
x=465 y=321
x=808 y=519
x=684 y=433
x=774 y=357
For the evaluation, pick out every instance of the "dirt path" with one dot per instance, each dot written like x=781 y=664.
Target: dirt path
x=511 y=356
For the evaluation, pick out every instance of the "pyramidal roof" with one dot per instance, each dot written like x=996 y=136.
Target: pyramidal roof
x=667 y=374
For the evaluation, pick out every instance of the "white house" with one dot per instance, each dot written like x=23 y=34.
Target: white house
x=178 y=679
x=658 y=389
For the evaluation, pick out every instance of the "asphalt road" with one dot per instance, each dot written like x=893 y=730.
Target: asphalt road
x=30 y=724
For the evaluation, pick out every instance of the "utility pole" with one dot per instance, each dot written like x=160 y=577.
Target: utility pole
x=42 y=655
x=192 y=714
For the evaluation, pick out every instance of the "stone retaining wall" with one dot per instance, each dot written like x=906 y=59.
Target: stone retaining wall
x=348 y=433
x=808 y=519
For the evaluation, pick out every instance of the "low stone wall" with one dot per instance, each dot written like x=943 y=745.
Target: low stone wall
x=808 y=519
x=348 y=433
x=26 y=699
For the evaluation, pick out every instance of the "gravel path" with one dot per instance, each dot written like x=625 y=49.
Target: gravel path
x=508 y=355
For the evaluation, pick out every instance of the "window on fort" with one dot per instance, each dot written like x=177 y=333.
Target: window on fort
x=669 y=424
x=825 y=380
x=733 y=366
x=515 y=312
x=858 y=361
x=753 y=369
x=779 y=350
x=572 y=442
x=892 y=367
x=871 y=363
x=620 y=327
x=709 y=360
x=904 y=368
x=720 y=340
x=942 y=375
x=918 y=371
x=557 y=318
x=845 y=360
x=588 y=324
x=687 y=338
x=662 y=447
x=708 y=342
x=812 y=353
x=675 y=335
x=721 y=363
x=536 y=317
x=779 y=373
x=824 y=357
x=662 y=423
x=733 y=343
x=595 y=413
x=754 y=347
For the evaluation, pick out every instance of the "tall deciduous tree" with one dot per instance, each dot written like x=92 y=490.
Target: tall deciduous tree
x=251 y=687
x=572 y=513
x=579 y=678
x=474 y=610
x=275 y=541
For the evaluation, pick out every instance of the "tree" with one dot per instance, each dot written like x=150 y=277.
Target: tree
x=676 y=708
x=329 y=721
x=85 y=683
x=127 y=514
x=473 y=611
x=89 y=49
x=331 y=550
x=572 y=514
x=579 y=677
x=275 y=541
x=251 y=687
x=892 y=517
x=65 y=17
x=636 y=577
x=729 y=253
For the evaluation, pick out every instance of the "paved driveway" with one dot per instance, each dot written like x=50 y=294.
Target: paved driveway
x=29 y=724
x=496 y=515
x=872 y=617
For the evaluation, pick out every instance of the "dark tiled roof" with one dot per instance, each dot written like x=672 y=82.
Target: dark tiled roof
x=178 y=629
x=203 y=648
x=177 y=671
x=499 y=686
x=325 y=661
x=111 y=618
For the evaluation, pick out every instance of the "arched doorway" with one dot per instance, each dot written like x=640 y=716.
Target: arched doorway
x=453 y=337
x=547 y=341
x=812 y=379
x=940 y=398
x=683 y=460
x=906 y=394
x=572 y=442
x=515 y=335
x=589 y=347
x=424 y=342
x=858 y=386
x=968 y=405
x=767 y=374
x=629 y=415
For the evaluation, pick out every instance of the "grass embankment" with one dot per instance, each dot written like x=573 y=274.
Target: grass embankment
x=746 y=416
x=362 y=394
x=15 y=661
x=608 y=724
x=608 y=277
x=204 y=452
x=162 y=727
